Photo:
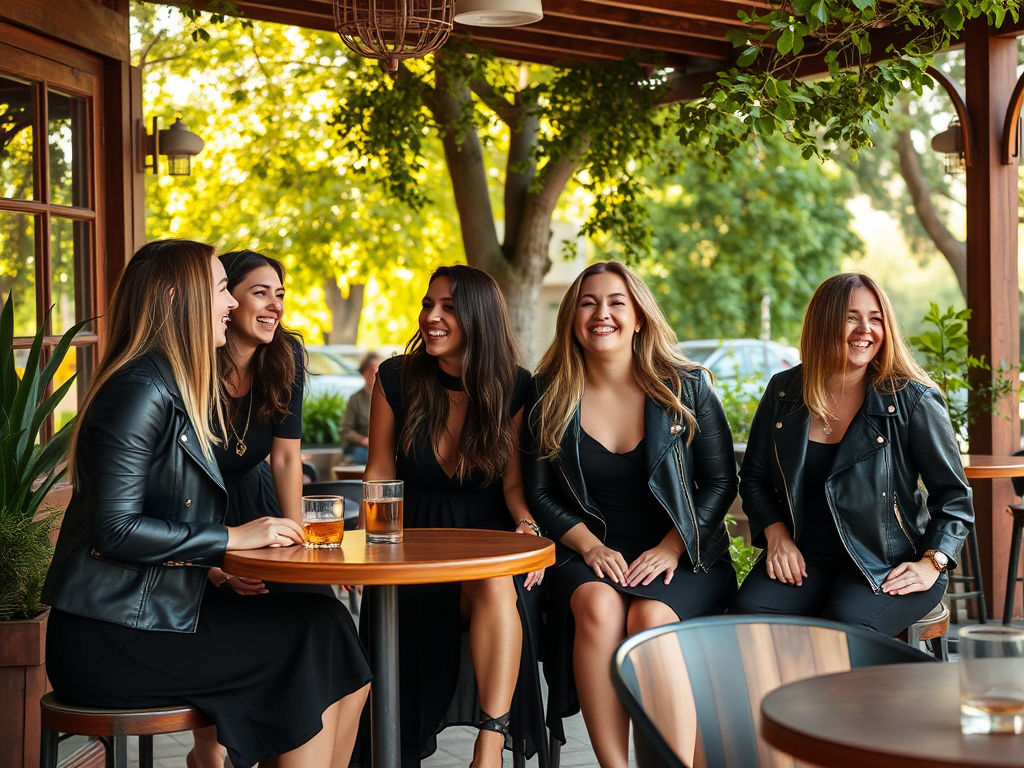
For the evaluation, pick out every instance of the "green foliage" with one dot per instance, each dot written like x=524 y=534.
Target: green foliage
x=739 y=399
x=321 y=418
x=769 y=224
x=947 y=361
x=28 y=468
x=764 y=95
x=743 y=555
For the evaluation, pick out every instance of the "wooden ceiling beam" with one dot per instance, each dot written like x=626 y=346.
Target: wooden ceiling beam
x=723 y=10
x=638 y=19
x=568 y=47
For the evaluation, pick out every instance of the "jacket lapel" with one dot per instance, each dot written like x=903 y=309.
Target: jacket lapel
x=863 y=438
x=660 y=433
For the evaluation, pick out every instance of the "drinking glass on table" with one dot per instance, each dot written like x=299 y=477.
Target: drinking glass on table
x=323 y=521
x=991 y=679
x=384 y=507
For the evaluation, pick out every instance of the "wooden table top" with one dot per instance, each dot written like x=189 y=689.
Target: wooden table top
x=426 y=556
x=978 y=466
x=891 y=716
x=348 y=471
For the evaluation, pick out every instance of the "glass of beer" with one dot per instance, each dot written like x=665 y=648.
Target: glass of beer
x=991 y=679
x=384 y=507
x=323 y=521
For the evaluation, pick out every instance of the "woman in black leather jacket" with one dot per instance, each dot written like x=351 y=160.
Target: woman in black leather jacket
x=852 y=479
x=133 y=623
x=630 y=471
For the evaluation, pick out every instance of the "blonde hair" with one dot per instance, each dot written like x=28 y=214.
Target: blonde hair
x=823 y=343
x=163 y=303
x=658 y=365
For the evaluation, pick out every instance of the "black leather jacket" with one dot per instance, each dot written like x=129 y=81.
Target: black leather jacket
x=148 y=509
x=884 y=515
x=694 y=482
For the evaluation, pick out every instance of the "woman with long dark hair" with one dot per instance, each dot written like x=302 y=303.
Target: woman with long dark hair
x=852 y=480
x=445 y=419
x=631 y=473
x=134 y=620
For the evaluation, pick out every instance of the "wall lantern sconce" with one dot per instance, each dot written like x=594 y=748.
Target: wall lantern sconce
x=950 y=144
x=177 y=143
x=498 y=13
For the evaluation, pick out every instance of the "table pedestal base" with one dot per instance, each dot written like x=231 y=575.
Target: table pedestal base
x=385 y=725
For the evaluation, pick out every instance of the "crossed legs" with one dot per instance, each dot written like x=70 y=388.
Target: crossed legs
x=604 y=618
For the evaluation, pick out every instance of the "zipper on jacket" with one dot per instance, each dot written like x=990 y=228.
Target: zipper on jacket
x=899 y=519
x=789 y=502
x=689 y=502
x=842 y=538
x=582 y=506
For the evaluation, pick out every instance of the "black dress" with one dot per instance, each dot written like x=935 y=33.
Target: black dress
x=438 y=686
x=617 y=484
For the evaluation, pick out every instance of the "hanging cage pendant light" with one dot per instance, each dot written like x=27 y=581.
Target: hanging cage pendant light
x=393 y=30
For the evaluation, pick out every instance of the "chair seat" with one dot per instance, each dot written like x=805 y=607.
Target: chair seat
x=62 y=717
x=935 y=624
x=1016 y=510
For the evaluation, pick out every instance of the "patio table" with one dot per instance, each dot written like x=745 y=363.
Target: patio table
x=890 y=716
x=426 y=556
x=978 y=466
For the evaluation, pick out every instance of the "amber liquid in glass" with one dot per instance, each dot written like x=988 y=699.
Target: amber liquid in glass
x=324 y=535
x=384 y=521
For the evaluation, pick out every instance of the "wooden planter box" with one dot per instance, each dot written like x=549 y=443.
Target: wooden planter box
x=22 y=683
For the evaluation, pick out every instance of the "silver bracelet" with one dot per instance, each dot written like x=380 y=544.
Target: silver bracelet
x=530 y=524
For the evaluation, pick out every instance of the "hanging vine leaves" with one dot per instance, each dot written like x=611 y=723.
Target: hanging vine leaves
x=764 y=95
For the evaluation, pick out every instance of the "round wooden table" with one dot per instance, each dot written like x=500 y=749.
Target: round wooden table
x=426 y=556
x=891 y=716
x=977 y=466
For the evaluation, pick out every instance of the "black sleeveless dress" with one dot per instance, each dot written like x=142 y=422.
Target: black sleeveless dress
x=438 y=686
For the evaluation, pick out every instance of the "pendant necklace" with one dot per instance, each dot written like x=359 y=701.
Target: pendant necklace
x=826 y=428
x=240 y=447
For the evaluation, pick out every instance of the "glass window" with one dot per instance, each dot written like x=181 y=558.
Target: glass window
x=18 y=268
x=66 y=136
x=69 y=246
x=17 y=154
x=72 y=365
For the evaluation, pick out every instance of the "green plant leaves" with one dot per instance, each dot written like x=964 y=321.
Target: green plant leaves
x=321 y=418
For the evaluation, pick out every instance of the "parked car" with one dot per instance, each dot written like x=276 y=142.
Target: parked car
x=751 y=362
x=330 y=373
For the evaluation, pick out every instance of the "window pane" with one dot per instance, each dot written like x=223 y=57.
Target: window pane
x=18 y=269
x=69 y=255
x=17 y=156
x=68 y=158
x=71 y=365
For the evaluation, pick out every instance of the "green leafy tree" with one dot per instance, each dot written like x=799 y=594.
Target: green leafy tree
x=773 y=224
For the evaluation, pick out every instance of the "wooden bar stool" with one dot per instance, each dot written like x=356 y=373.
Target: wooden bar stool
x=113 y=727
x=1017 y=511
x=931 y=629
x=970 y=577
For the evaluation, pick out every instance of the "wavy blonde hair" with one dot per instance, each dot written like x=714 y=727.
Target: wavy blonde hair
x=823 y=343
x=163 y=303
x=658 y=365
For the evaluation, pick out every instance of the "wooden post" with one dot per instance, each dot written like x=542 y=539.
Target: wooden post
x=992 y=292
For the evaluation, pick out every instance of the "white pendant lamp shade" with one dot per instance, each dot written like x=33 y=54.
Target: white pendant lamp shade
x=498 y=13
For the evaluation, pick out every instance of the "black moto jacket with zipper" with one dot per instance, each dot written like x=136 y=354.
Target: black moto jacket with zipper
x=694 y=481
x=146 y=520
x=897 y=487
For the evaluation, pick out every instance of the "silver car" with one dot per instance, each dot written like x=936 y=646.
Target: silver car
x=750 y=362
x=330 y=373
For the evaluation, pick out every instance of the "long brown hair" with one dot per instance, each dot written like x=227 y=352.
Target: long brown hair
x=273 y=364
x=162 y=303
x=823 y=343
x=658 y=364
x=489 y=374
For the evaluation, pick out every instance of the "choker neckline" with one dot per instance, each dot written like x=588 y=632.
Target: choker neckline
x=449 y=382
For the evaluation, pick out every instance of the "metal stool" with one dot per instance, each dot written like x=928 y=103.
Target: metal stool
x=931 y=629
x=1017 y=511
x=970 y=565
x=113 y=727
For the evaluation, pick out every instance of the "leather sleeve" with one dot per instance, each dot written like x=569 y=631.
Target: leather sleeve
x=714 y=460
x=937 y=458
x=543 y=494
x=127 y=422
x=763 y=503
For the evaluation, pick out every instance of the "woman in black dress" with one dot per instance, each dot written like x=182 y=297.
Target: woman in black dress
x=631 y=471
x=134 y=620
x=445 y=418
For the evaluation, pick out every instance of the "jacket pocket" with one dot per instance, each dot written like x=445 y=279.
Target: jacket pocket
x=899 y=520
x=119 y=563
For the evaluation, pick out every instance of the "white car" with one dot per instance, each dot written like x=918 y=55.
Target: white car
x=329 y=373
x=751 y=362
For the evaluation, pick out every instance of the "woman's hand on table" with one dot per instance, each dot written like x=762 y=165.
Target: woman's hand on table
x=529 y=527
x=655 y=561
x=265 y=532
x=784 y=560
x=905 y=578
x=243 y=585
x=605 y=561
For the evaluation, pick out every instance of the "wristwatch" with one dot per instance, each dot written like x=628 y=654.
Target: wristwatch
x=939 y=559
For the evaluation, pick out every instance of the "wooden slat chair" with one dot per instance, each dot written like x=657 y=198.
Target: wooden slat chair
x=113 y=727
x=693 y=689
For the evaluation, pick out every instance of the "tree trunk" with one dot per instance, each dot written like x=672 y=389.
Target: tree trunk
x=345 y=312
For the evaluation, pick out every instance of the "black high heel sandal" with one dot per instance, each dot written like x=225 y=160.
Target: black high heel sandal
x=496 y=724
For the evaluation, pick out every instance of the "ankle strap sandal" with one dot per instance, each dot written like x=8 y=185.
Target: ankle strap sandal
x=496 y=724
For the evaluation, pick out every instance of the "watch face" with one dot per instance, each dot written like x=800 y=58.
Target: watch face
x=940 y=560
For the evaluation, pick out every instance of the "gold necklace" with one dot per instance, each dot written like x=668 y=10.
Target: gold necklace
x=240 y=448
x=826 y=429
x=457 y=403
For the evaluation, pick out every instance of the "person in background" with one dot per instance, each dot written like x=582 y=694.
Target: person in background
x=852 y=479
x=355 y=426
x=134 y=622
x=445 y=418
x=631 y=471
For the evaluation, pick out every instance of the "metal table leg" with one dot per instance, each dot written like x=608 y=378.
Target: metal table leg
x=385 y=727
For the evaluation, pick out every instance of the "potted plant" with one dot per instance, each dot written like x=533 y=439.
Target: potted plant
x=322 y=413
x=29 y=470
